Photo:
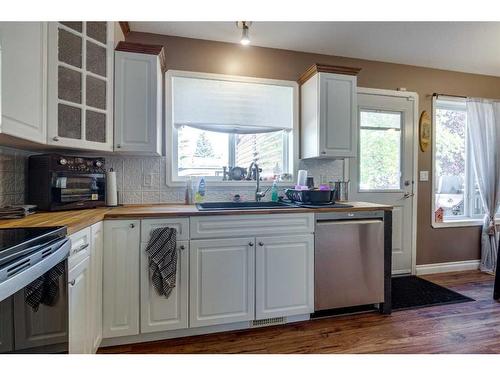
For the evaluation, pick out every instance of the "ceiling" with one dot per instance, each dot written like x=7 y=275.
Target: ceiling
x=472 y=47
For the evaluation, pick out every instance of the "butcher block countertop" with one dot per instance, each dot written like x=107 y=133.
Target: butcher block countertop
x=72 y=220
x=79 y=219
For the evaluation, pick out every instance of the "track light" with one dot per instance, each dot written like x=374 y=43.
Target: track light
x=244 y=26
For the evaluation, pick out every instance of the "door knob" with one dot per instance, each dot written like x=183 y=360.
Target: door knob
x=250 y=244
x=407 y=195
x=182 y=247
x=132 y=225
x=56 y=138
x=261 y=243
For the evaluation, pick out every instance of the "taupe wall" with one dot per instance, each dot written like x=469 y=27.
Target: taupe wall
x=433 y=245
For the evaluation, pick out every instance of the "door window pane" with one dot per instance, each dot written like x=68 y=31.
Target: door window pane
x=97 y=31
x=69 y=121
x=95 y=126
x=69 y=85
x=70 y=48
x=96 y=59
x=380 y=150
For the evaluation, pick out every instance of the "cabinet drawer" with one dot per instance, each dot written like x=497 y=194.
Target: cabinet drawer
x=80 y=246
x=181 y=225
x=244 y=225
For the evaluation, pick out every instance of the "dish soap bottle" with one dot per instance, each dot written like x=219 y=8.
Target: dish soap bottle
x=274 y=191
x=200 y=191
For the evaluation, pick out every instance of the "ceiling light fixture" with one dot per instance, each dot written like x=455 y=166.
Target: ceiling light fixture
x=244 y=26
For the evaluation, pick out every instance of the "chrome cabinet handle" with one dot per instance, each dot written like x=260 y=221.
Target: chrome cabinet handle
x=81 y=248
x=261 y=243
x=72 y=283
x=250 y=244
x=56 y=138
x=132 y=225
x=118 y=146
x=182 y=247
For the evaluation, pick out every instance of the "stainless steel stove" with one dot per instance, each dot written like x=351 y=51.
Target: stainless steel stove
x=33 y=290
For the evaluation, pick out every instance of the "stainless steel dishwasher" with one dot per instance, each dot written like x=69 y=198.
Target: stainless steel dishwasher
x=349 y=259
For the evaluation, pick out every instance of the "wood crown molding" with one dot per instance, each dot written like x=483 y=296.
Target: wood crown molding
x=324 y=68
x=125 y=27
x=149 y=49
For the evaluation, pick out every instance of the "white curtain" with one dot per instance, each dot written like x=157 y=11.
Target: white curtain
x=483 y=124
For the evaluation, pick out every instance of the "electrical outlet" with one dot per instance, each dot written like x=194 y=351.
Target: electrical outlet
x=424 y=175
x=148 y=180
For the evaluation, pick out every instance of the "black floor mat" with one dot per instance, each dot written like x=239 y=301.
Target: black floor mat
x=411 y=292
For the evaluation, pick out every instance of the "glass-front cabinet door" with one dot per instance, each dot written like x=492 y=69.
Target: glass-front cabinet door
x=80 y=65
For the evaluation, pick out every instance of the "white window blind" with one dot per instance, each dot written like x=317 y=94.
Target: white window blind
x=231 y=106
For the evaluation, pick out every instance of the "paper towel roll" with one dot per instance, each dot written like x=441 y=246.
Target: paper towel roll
x=111 y=193
x=302 y=177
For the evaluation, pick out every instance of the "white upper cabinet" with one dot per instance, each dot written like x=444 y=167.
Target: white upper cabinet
x=80 y=85
x=328 y=112
x=23 y=80
x=138 y=98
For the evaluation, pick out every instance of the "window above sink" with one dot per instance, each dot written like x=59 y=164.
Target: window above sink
x=217 y=122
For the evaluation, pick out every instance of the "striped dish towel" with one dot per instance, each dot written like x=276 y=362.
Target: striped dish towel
x=162 y=259
x=45 y=289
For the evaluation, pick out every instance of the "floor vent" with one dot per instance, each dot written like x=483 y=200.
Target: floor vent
x=268 y=322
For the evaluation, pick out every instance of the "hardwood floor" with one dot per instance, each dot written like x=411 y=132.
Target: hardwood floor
x=472 y=327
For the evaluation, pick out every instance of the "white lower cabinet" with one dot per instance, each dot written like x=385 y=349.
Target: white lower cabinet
x=96 y=272
x=219 y=280
x=222 y=281
x=121 y=278
x=157 y=312
x=79 y=307
x=284 y=278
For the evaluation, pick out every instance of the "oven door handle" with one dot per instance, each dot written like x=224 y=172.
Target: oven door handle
x=39 y=262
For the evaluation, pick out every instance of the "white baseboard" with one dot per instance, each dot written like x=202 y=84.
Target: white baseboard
x=466 y=265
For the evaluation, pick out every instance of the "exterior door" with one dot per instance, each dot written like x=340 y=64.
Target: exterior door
x=383 y=170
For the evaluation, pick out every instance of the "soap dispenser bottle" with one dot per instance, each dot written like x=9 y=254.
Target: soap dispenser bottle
x=274 y=191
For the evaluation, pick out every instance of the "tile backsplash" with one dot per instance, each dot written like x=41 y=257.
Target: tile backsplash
x=142 y=180
x=13 y=169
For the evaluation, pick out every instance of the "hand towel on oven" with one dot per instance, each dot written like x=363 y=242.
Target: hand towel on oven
x=162 y=259
x=45 y=289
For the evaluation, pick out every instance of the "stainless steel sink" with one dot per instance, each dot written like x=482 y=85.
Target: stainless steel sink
x=217 y=206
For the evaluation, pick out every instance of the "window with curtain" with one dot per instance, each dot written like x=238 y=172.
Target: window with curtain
x=454 y=180
x=222 y=121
